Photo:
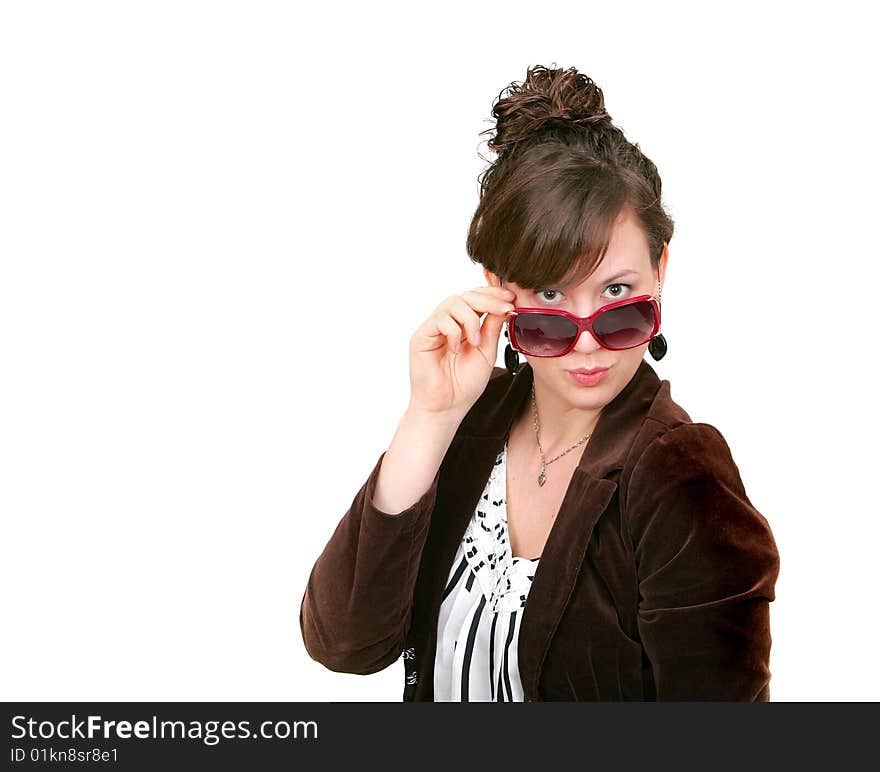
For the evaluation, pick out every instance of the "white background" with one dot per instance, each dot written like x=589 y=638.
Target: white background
x=186 y=185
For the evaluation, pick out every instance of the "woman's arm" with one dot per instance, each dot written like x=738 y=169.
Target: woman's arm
x=356 y=609
x=707 y=565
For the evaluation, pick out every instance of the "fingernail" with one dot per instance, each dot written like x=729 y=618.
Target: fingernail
x=477 y=338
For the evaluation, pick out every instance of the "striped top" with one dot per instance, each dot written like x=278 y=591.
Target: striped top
x=481 y=611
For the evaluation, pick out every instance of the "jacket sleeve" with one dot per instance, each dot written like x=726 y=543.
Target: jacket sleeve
x=356 y=609
x=707 y=565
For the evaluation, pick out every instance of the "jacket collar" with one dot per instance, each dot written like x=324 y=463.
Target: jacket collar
x=590 y=491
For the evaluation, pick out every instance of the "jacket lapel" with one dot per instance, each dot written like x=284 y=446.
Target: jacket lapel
x=479 y=440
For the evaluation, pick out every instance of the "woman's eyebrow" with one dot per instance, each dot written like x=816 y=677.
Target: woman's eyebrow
x=620 y=275
x=568 y=285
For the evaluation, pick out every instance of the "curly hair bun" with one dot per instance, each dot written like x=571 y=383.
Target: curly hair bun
x=547 y=98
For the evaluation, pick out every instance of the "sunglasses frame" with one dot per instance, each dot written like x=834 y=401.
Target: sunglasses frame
x=584 y=324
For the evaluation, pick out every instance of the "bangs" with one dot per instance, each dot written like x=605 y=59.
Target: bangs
x=551 y=228
x=570 y=239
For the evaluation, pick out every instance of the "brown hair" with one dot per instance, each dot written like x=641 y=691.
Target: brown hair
x=563 y=174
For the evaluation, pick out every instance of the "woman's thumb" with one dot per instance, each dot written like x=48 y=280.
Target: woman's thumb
x=489 y=334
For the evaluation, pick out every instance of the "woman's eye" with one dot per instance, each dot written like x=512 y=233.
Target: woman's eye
x=552 y=295
x=616 y=295
x=542 y=294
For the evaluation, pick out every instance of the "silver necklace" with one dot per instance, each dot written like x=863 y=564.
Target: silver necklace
x=542 y=478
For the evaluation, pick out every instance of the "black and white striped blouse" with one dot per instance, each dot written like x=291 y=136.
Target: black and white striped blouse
x=478 y=627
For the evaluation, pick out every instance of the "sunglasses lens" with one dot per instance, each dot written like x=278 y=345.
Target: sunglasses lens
x=626 y=326
x=543 y=334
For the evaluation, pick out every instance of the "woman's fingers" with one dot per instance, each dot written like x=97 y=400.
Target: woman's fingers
x=464 y=315
x=467 y=308
x=458 y=317
x=451 y=329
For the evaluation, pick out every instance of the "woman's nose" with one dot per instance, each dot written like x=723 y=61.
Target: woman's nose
x=586 y=343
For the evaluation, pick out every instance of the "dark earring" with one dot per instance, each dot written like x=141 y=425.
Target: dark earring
x=511 y=357
x=657 y=347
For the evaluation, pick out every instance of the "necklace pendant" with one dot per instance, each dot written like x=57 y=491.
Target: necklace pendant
x=541 y=478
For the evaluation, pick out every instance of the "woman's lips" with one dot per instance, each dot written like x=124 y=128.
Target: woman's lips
x=588 y=377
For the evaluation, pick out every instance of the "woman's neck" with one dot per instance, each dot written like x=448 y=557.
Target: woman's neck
x=560 y=427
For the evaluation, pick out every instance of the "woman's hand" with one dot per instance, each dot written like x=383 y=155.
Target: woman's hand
x=451 y=355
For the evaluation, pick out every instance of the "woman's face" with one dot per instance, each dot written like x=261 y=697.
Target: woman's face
x=624 y=272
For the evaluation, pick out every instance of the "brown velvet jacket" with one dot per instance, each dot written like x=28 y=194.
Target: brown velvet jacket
x=654 y=584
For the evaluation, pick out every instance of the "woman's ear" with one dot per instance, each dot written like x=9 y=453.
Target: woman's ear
x=491 y=279
x=664 y=258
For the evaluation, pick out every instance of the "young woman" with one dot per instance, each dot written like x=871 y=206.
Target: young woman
x=558 y=529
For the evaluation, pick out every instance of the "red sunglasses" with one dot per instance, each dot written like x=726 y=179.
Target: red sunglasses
x=553 y=332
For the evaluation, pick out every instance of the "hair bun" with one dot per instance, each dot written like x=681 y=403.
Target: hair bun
x=547 y=98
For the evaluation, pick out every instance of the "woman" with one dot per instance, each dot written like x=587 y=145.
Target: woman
x=557 y=529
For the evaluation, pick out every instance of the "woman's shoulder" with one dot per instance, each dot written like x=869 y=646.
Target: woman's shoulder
x=684 y=504
x=685 y=449
x=684 y=474
x=673 y=450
